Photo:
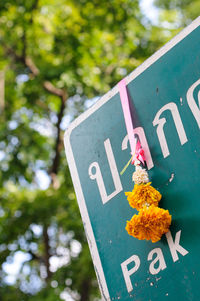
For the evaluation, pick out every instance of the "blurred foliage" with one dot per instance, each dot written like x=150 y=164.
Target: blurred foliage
x=177 y=13
x=59 y=57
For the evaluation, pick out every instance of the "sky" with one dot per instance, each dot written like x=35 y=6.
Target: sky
x=149 y=10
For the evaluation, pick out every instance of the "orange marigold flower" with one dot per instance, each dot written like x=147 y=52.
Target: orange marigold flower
x=150 y=224
x=143 y=195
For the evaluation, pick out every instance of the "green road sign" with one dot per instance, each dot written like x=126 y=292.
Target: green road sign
x=165 y=94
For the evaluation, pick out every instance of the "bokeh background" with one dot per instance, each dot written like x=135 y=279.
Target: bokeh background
x=56 y=59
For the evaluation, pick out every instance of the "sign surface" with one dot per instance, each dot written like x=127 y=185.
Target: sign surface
x=165 y=95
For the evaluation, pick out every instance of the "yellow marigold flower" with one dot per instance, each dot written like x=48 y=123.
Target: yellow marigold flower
x=150 y=224
x=143 y=195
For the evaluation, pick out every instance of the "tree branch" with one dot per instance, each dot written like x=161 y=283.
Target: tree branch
x=62 y=94
x=35 y=256
x=11 y=53
x=46 y=84
x=35 y=5
x=52 y=89
x=2 y=92
x=85 y=289
x=30 y=64
x=58 y=142
x=47 y=253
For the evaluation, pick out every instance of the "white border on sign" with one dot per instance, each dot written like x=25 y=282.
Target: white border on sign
x=71 y=161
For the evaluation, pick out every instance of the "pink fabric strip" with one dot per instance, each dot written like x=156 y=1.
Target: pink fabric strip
x=127 y=114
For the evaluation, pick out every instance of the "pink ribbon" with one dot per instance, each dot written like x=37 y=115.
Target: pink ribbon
x=127 y=114
x=136 y=150
x=139 y=154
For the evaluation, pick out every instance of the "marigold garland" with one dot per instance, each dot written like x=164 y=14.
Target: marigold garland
x=143 y=195
x=150 y=224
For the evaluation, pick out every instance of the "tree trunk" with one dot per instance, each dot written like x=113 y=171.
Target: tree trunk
x=85 y=290
x=46 y=252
